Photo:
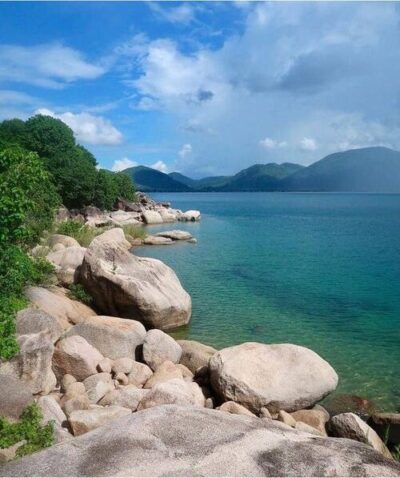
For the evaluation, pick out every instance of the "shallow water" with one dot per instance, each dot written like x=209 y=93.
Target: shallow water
x=319 y=270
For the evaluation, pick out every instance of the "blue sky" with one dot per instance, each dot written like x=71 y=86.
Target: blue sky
x=206 y=88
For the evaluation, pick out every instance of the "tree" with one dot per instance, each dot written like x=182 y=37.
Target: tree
x=12 y=132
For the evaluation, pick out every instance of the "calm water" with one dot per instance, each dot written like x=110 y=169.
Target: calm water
x=319 y=270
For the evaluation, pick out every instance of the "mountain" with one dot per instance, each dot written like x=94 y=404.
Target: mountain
x=183 y=179
x=207 y=183
x=375 y=169
x=148 y=179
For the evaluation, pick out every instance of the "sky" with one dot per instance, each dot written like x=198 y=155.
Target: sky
x=206 y=88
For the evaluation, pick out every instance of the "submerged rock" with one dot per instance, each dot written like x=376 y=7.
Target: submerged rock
x=207 y=443
x=280 y=376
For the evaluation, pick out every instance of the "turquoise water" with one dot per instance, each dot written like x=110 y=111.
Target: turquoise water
x=319 y=270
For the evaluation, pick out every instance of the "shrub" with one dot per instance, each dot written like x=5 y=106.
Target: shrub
x=78 y=292
x=137 y=232
x=83 y=233
x=28 y=428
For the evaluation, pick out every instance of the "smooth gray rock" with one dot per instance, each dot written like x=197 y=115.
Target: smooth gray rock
x=159 y=347
x=278 y=376
x=15 y=396
x=195 y=354
x=33 y=321
x=157 y=241
x=182 y=441
x=175 y=235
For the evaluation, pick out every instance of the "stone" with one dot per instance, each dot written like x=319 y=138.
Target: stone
x=34 y=361
x=190 y=216
x=33 y=321
x=105 y=365
x=195 y=354
x=235 y=408
x=349 y=425
x=52 y=411
x=387 y=426
x=175 y=235
x=159 y=347
x=83 y=421
x=313 y=418
x=157 y=241
x=41 y=251
x=121 y=378
x=75 y=388
x=167 y=215
x=98 y=385
x=9 y=453
x=166 y=371
x=15 y=396
x=264 y=413
x=323 y=410
x=186 y=373
x=209 y=403
x=152 y=217
x=187 y=441
x=175 y=391
x=114 y=236
x=66 y=241
x=122 y=365
x=79 y=402
x=125 y=218
x=252 y=374
x=67 y=263
x=134 y=287
x=56 y=304
x=286 y=418
x=74 y=355
x=304 y=427
x=62 y=214
x=113 y=337
x=140 y=373
x=128 y=397
x=66 y=381
x=361 y=406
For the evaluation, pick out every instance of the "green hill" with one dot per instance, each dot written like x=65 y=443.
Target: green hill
x=148 y=179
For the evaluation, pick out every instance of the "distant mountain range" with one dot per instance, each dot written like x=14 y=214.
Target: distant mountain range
x=375 y=169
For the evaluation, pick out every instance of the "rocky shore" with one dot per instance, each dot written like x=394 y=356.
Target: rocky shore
x=128 y=399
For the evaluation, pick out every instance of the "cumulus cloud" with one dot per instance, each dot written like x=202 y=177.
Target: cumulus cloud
x=124 y=163
x=87 y=127
x=185 y=150
x=48 y=65
x=160 y=166
x=308 y=144
x=269 y=143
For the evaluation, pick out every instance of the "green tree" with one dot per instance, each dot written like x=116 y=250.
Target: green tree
x=12 y=133
x=106 y=189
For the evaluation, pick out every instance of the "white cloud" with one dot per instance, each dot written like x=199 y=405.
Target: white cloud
x=185 y=150
x=308 y=144
x=160 y=166
x=11 y=97
x=183 y=13
x=124 y=163
x=269 y=143
x=87 y=127
x=47 y=65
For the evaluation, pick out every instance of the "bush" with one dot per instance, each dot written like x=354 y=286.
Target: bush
x=78 y=292
x=136 y=232
x=29 y=428
x=81 y=232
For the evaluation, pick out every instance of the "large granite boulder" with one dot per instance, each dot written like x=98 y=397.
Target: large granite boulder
x=134 y=287
x=66 y=241
x=55 y=302
x=188 y=441
x=280 y=376
x=15 y=396
x=195 y=354
x=33 y=321
x=159 y=347
x=75 y=356
x=349 y=425
x=112 y=336
x=67 y=263
x=152 y=217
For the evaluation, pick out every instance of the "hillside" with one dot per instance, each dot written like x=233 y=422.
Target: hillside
x=148 y=179
x=375 y=169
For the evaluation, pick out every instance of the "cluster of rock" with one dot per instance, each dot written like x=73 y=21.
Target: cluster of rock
x=144 y=211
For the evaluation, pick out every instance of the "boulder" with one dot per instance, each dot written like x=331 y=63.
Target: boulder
x=157 y=241
x=166 y=371
x=235 y=408
x=125 y=218
x=349 y=425
x=195 y=354
x=304 y=427
x=66 y=241
x=67 y=263
x=313 y=418
x=140 y=373
x=112 y=336
x=33 y=321
x=114 y=236
x=175 y=391
x=52 y=411
x=152 y=217
x=167 y=215
x=75 y=388
x=55 y=303
x=33 y=364
x=134 y=287
x=286 y=418
x=15 y=396
x=188 y=441
x=82 y=421
x=62 y=214
x=128 y=397
x=186 y=373
x=67 y=380
x=105 y=365
x=176 y=235
x=159 y=347
x=190 y=216
x=97 y=386
x=122 y=365
x=75 y=356
x=79 y=402
x=280 y=377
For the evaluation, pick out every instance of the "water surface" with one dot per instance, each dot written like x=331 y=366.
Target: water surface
x=319 y=270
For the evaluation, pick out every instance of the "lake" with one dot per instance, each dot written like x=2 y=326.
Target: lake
x=319 y=270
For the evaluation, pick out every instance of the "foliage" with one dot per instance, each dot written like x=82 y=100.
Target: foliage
x=111 y=186
x=136 y=232
x=83 y=233
x=78 y=292
x=29 y=428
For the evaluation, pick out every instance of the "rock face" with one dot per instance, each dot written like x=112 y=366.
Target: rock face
x=349 y=425
x=75 y=356
x=195 y=354
x=67 y=263
x=33 y=321
x=280 y=377
x=134 y=287
x=15 y=396
x=82 y=421
x=210 y=443
x=112 y=336
x=175 y=391
x=159 y=347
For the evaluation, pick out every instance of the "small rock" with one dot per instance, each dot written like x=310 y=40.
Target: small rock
x=209 y=403
x=66 y=241
x=157 y=241
x=98 y=385
x=128 y=397
x=67 y=380
x=159 y=347
x=122 y=365
x=235 y=409
x=195 y=354
x=74 y=389
x=80 y=402
x=139 y=374
x=121 y=378
x=187 y=374
x=303 y=427
x=190 y=216
x=314 y=418
x=105 y=365
x=82 y=421
x=286 y=418
x=264 y=413
x=176 y=235
x=166 y=371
